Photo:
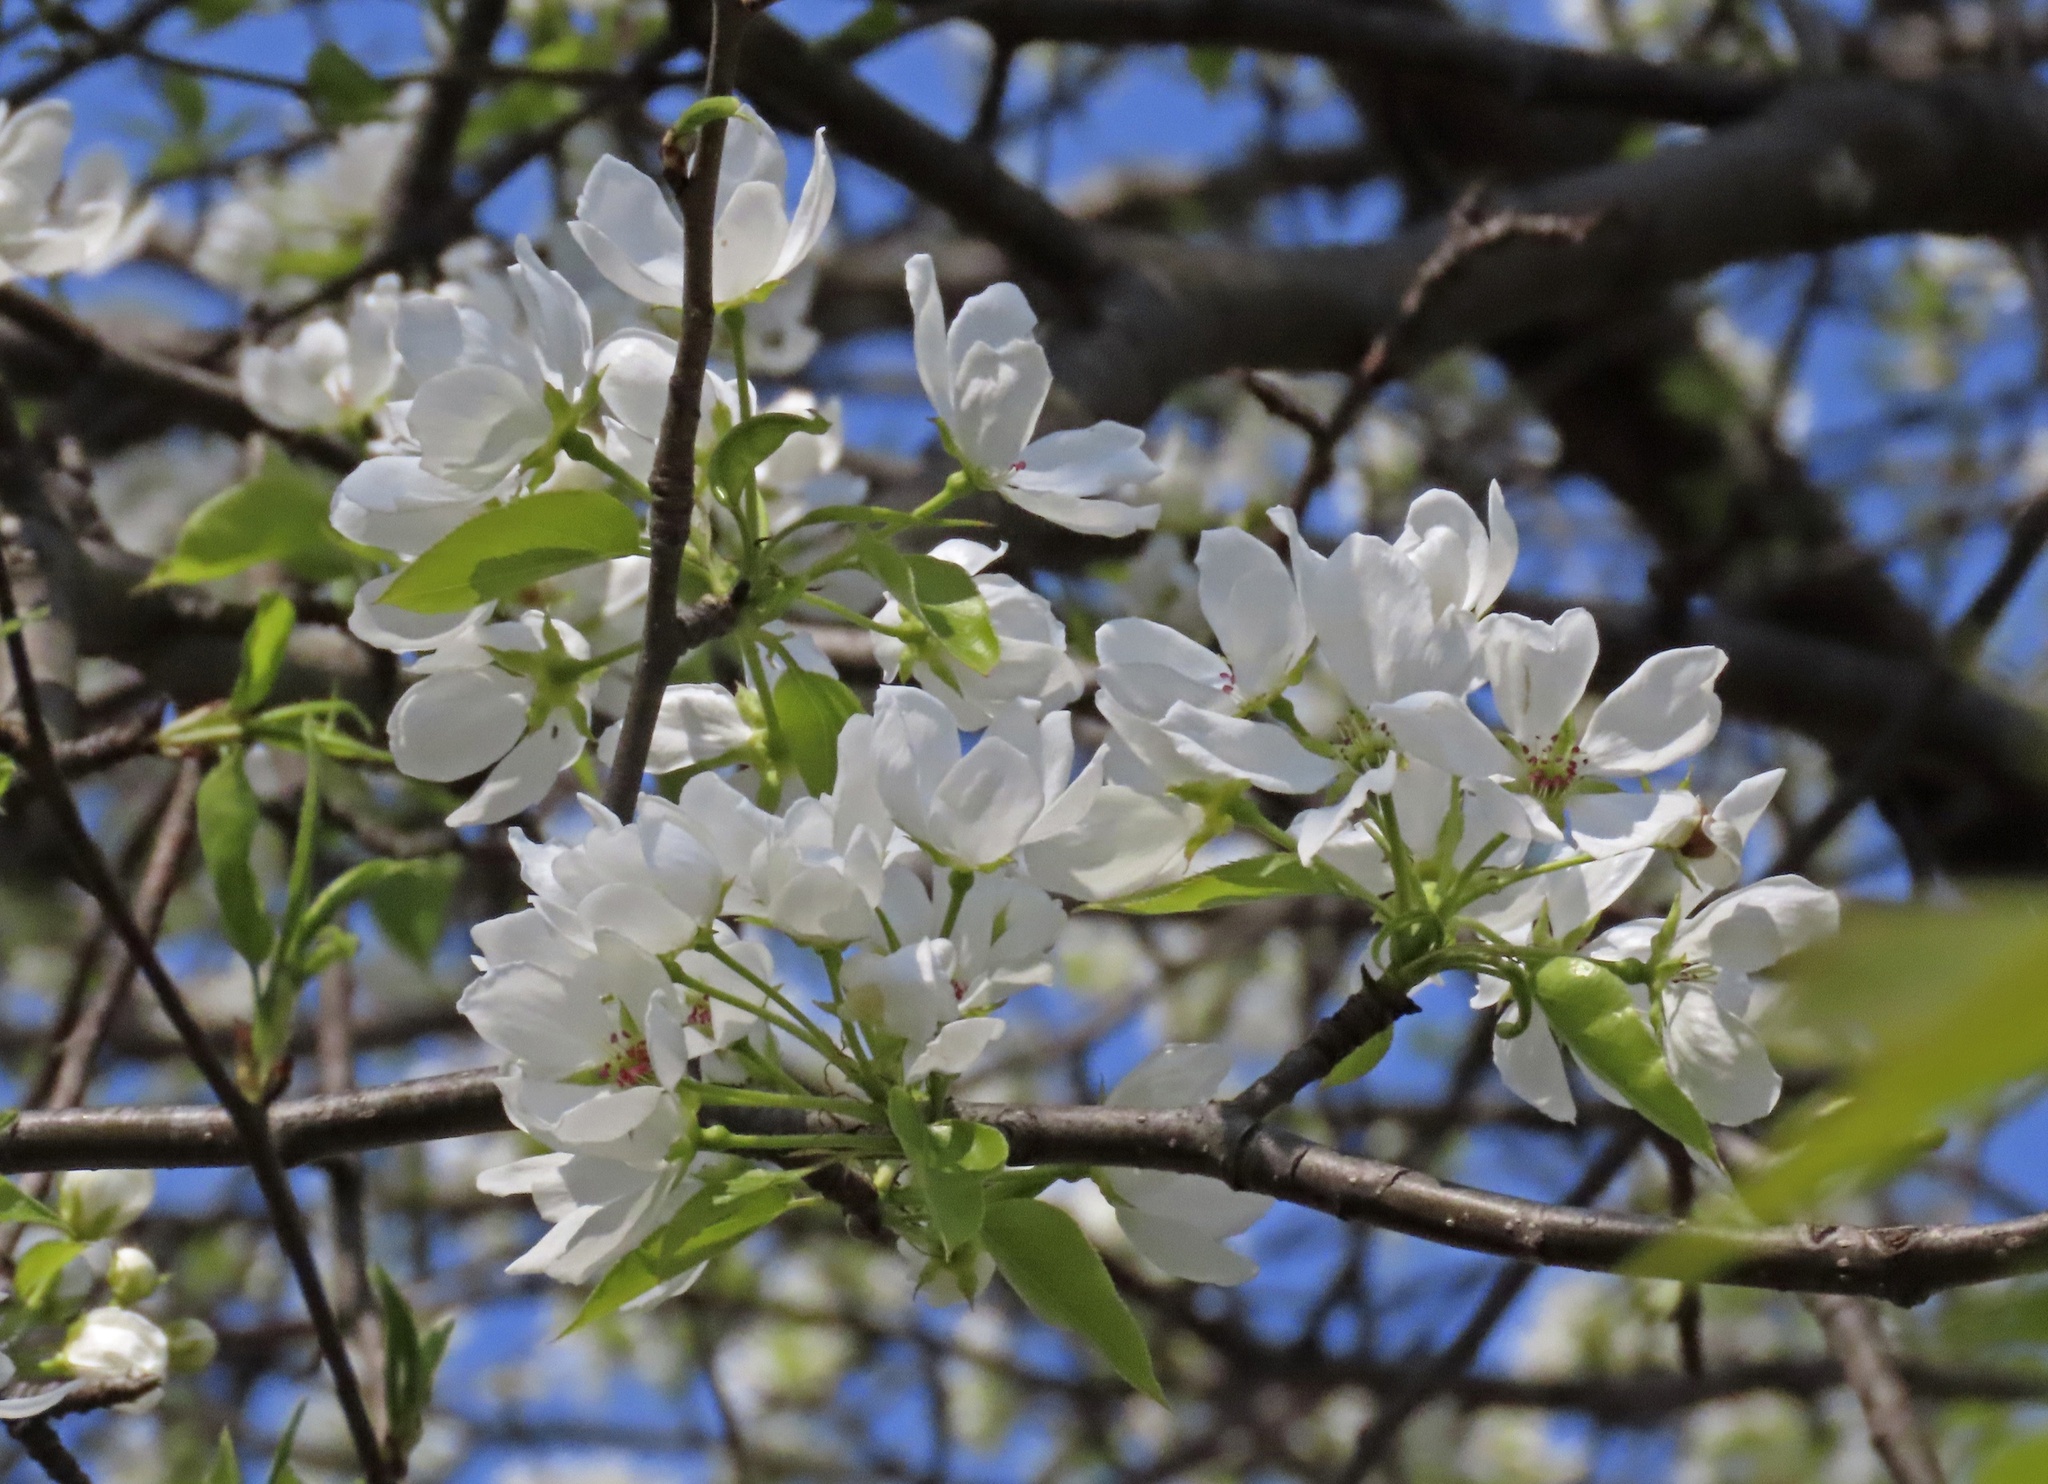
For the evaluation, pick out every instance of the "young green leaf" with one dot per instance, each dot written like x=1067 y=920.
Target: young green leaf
x=226 y=1468
x=263 y=652
x=812 y=709
x=1596 y=1017
x=281 y=1470
x=702 y=112
x=410 y=1360
x=1361 y=1061
x=17 y=1204
x=411 y=907
x=972 y=1146
x=502 y=551
x=340 y=90
x=227 y=812
x=1250 y=880
x=954 y=1199
x=1060 y=1277
x=714 y=1219
x=280 y=515
x=955 y=611
x=37 y=1270
x=748 y=444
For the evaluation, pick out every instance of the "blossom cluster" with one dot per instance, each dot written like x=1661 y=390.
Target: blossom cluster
x=821 y=902
x=76 y=1316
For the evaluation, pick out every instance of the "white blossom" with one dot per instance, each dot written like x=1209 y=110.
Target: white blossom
x=988 y=379
x=635 y=238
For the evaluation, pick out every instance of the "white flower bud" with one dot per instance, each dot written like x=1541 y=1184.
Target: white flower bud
x=98 y=1203
x=131 y=1276
x=192 y=1344
x=116 y=1347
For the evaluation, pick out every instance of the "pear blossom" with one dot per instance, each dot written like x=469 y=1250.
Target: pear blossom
x=968 y=810
x=328 y=374
x=83 y=226
x=1101 y=837
x=1421 y=796
x=654 y=881
x=597 y=1211
x=1383 y=630
x=1709 y=979
x=696 y=724
x=101 y=1203
x=469 y=715
x=988 y=379
x=591 y=1051
x=636 y=365
x=15 y=1408
x=1032 y=663
x=315 y=209
x=117 y=1347
x=1466 y=565
x=804 y=474
x=1182 y=710
x=635 y=238
x=1180 y=1222
x=910 y=994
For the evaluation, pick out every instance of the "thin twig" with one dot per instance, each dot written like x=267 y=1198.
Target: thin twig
x=1373 y=1008
x=1858 y=1342
x=249 y=1121
x=40 y=1442
x=1457 y=1357
x=673 y=477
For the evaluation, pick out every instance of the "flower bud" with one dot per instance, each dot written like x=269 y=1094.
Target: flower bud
x=98 y=1203
x=131 y=1276
x=192 y=1344
x=116 y=1347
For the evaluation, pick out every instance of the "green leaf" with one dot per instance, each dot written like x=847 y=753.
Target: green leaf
x=1211 y=66
x=743 y=449
x=1361 y=1061
x=340 y=90
x=226 y=1469
x=812 y=709
x=278 y=516
x=410 y=1360
x=937 y=594
x=1250 y=880
x=281 y=1470
x=1593 y=1013
x=956 y=612
x=954 y=1199
x=2021 y=1461
x=38 y=1268
x=185 y=97
x=209 y=15
x=702 y=112
x=380 y=877
x=1061 y=1279
x=227 y=813
x=501 y=552
x=1950 y=1001
x=411 y=908
x=972 y=1146
x=17 y=1204
x=263 y=652
x=712 y=1220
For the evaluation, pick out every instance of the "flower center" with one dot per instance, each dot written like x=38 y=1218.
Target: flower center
x=1554 y=770
x=629 y=1065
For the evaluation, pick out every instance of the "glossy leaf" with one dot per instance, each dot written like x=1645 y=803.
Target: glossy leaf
x=340 y=90
x=1361 y=1060
x=17 y=1204
x=811 y=710
x=1061 y=1278
x=742 y=450
x=280 y=515
x=1250 y=880
x=263 y=648
x=227 y=812
x=37 y=1270
x=714 y=1219
x=501 y=552
x=226 y=1468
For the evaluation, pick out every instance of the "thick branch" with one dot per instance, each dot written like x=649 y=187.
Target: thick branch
x=1531 y=72
x=1903 y=1264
